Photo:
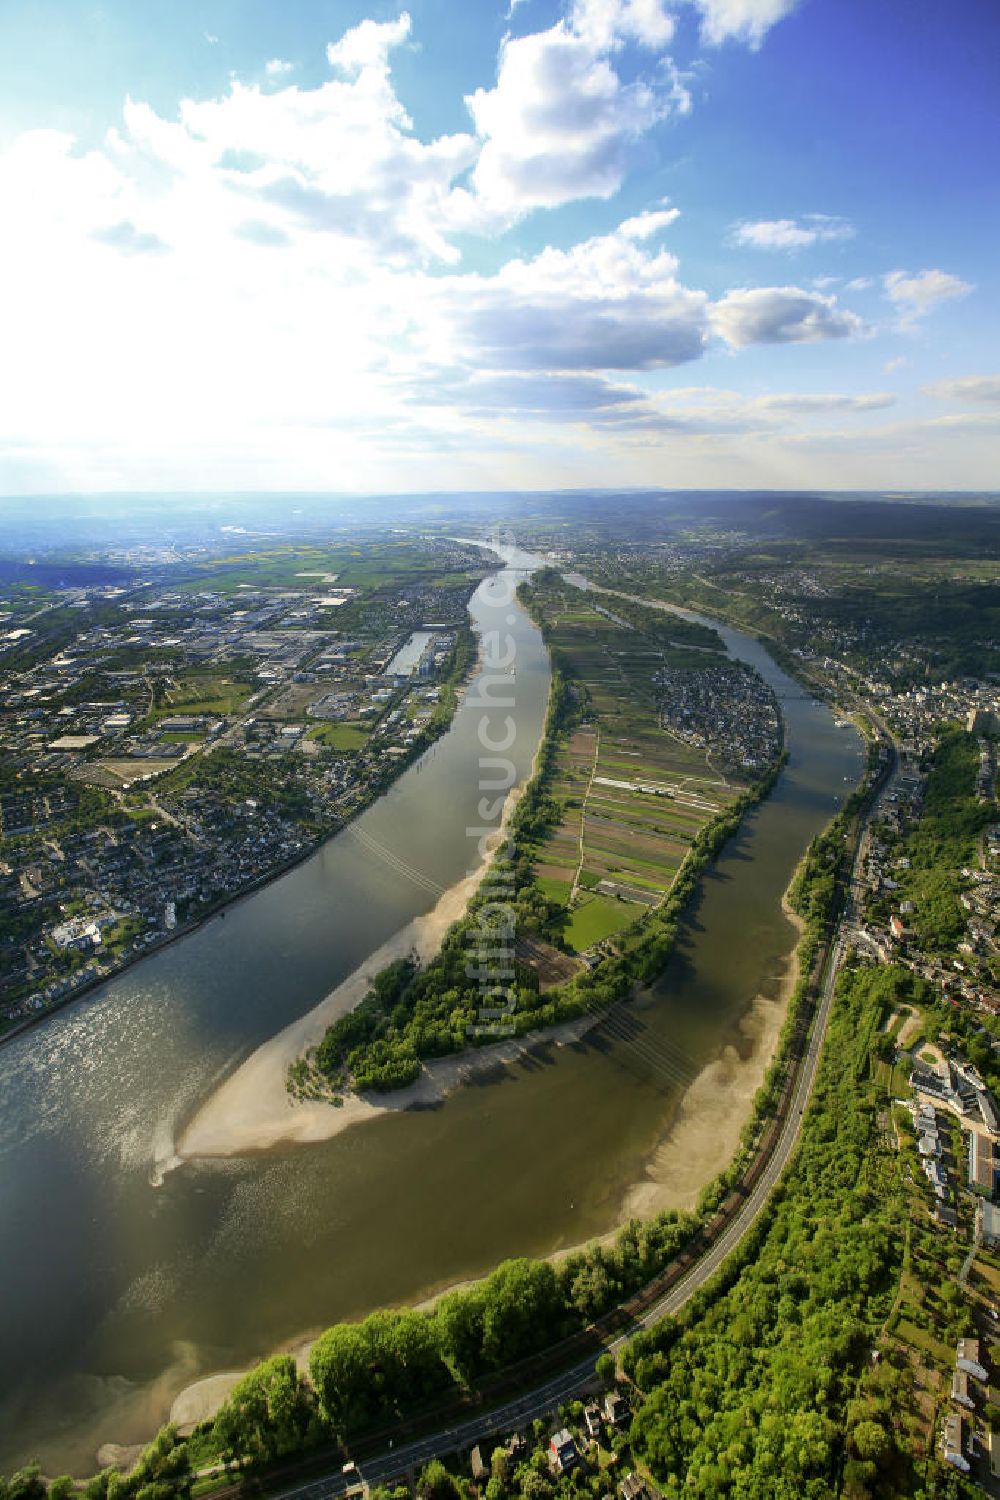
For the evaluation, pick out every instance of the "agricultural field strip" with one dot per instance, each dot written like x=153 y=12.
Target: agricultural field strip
x=583 y=814
x=640 y=797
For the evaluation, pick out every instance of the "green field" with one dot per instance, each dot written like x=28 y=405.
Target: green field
x=634 y=837
x=595 y=918
x=339 y=736
x=203 y=693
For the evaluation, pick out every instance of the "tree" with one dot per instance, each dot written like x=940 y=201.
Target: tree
x=521 y=1309
x=25 y=1484
x=436 y=1483
x=268 y=1412
x=459 y=1317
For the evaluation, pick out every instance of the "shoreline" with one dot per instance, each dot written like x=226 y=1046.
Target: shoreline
x=695 y=1144
x=698 y=1143
x=704 y=1135
x=219 y=907
x=252 y=1110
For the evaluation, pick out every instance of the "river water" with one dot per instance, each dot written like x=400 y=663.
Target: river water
x=117 y=1292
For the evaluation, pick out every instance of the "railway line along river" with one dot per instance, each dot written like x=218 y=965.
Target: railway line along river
x=122 y=1283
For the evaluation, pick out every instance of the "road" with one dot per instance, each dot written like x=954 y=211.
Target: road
x=543 y=1399
x=572 y=1382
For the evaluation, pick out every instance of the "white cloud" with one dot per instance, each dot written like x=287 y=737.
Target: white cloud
x=781 y=315
x=124 y=236
x=808 y=404
x=898 y=362
x=860 y=284
x=557 y=125
x=604 y=23
x=965 y=388
x=267 y=288
x=211 y=38
x=367 y=45
x=916 y=295
x=643 y=226
x=277 y=67
x=741 y=20
x=560 y=124
x=607 y=303
x=791 y=234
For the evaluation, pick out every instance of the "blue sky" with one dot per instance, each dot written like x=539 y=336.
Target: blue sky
x=362 y=246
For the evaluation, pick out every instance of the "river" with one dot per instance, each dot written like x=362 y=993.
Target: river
x=118 y=1292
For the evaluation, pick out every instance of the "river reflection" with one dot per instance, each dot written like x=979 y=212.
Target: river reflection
x=116 y=1293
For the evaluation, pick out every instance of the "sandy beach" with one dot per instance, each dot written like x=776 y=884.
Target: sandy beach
x=253 y=1110
x=699 y=1143
x=705 y=1134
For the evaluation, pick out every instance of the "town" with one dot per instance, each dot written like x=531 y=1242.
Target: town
x=184 y=743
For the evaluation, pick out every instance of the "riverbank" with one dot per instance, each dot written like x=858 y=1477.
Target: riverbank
x=453 y=686
x=253 y=1109
x=704 y=1136
x=697 y=1145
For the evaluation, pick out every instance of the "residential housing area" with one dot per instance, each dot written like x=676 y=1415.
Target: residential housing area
x=169 y=746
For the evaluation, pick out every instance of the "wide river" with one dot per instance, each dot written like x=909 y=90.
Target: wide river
x=116 y=1292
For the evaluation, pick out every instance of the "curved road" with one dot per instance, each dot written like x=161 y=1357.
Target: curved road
x=578 y=1378
x=541 y=1401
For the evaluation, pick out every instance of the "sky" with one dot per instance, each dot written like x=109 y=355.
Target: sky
x=340 y=246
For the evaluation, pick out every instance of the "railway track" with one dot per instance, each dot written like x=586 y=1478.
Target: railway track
x=381 y=1456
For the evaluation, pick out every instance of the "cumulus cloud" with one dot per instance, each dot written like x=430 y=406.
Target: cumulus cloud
x=314 y=279
x=916 y=295
x=741 y=20
x=367 y=45
x=791 y=234
x=608 y=303
x=560 y=123
x=341 y=159
x=556 y=126
x=277 y=67
x=781 y=315
x=966 y=388
x=604 y=23
x=575 y=396
x=124 y=237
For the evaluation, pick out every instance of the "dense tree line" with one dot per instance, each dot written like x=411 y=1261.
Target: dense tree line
x=760 y=1388
x=163 y=1472
x=392 y=1362
x=943 y=841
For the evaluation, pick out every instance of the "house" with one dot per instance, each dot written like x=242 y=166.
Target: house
x=982 y=1165
x=480 y=1473
x=563 y=1452
x=936 y=1173
x=960 y=1389
x=592 y=1417
x=929 y=1144
x=990 y=1225
x=615 y=1409
x=952 y=1442
x=967 y=1359
x=634 y=1487
x=896 y=926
